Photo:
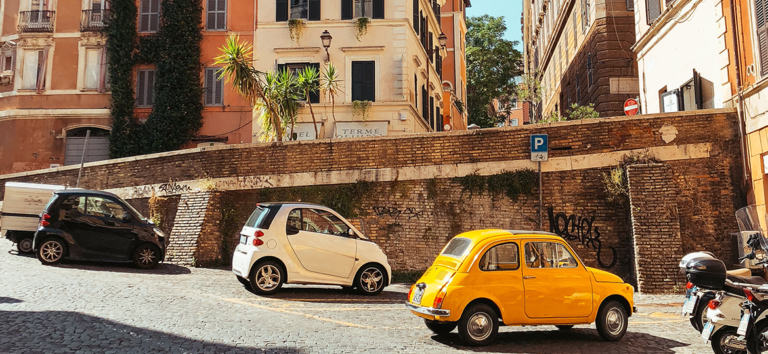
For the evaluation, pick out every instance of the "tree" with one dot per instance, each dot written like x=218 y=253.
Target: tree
x=529 y=91
x=582 y=112
x=492 y=65
x=331 y=85
x=309 y=81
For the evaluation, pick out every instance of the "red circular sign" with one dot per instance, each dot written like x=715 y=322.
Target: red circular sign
x=631 y=107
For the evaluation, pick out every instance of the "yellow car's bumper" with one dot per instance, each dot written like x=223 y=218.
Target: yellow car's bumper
x=427 y=310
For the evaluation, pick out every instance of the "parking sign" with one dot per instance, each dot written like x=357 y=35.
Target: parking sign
x=539 y=147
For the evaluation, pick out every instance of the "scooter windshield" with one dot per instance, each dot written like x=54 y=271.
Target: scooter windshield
x=749 y=221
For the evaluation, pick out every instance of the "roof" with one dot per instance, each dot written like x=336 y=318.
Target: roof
x=478 y=235
x=81 y=191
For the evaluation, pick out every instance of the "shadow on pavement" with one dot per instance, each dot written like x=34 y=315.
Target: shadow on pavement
x=333 y=295
x=9 y=300
x=577 y=340
x=123 y=267
x=58 y=331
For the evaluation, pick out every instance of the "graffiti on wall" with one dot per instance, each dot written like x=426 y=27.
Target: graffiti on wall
x=581 y=229
x=395 y=212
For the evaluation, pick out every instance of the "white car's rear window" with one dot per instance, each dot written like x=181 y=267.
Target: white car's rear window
x=262 y=216
x=457 y=247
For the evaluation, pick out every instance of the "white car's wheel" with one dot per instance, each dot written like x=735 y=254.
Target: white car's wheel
x=371 y=280
x=25 y=245
x=267 y=278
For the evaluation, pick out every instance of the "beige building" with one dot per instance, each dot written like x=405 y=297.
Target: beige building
x=395 y=63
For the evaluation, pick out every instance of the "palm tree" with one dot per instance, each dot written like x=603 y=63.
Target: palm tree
x=331 y=85
x=308 y=83
x=237 y=58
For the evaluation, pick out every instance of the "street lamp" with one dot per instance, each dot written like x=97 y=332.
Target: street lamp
x=326 y=37
x=442 y=39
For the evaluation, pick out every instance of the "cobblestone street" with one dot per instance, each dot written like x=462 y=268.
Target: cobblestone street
x=113 y=308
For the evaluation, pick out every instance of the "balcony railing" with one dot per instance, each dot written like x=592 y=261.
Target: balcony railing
x=36 y=21
x=91 y=20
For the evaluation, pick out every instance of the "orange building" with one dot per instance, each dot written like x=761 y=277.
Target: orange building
x=54 y=84
x=454 y=25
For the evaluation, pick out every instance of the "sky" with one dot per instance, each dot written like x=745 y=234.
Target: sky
x=510 y=9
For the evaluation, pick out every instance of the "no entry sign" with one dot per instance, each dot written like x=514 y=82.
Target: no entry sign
x=631 y=107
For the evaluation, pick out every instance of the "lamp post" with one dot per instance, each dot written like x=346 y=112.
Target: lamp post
x=442 y=39
x=326 y=38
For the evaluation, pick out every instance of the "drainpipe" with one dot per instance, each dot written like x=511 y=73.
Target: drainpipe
x=742 y=121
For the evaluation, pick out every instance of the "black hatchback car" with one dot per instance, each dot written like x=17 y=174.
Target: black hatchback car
x=92 y=225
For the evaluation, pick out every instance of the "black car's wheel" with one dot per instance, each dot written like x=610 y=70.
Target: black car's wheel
x=440 y=328
x=146 y=256
x=612 y=321
x=479 y=325
x=565 y=328
x=371 y=280
x=726 y=341
x=51 y=251
x=267 y=278
x=25 y=245
x=243 y=281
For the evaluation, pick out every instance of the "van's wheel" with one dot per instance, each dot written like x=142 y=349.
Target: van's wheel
x=25 y=245
x=612 y=321
x=267 y=278
x=440 y=328
x=479 y=325
x=51 y=251
x=370 y=280
x=146 y=256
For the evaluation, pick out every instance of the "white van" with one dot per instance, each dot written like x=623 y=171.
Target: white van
x=20 y=211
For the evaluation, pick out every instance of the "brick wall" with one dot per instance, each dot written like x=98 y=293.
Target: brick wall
x=657 y=241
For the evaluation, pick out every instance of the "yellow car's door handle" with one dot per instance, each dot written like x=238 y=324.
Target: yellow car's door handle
x=529 y=277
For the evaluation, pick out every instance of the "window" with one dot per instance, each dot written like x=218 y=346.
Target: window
x=33 y=76
x=214 y=87
x=585 y=15
x=652 y=10
x=149 y=15
x=548 y=255
x=103 y=207
x=589 y=70
x=294 y=68
x=317 y=221
x=92 y=69
x=501 y=257
x=299 y=9
x=73 y=204
x=416 y=21
x=761 y=25
x=6 y=61
x=514 y=122
x=145 y=88
x=362 y=8
x=262 y=217
x=630 y=5
x=424 y=104
x=364 y=81
x=216 y=16
x=457 y=247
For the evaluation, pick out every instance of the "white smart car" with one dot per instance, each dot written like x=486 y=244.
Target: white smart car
x=298 y=243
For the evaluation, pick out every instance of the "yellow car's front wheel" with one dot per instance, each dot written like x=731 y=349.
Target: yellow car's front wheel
x=479 y=325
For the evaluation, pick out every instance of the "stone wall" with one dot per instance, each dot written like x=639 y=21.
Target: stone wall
x=414 y=201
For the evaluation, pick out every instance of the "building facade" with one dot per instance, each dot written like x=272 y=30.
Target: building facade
x=54 y=85
x=387 y=54
x=580 y=52
x=454 y=22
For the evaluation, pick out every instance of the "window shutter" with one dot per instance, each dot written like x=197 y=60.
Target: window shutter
x=432 y=112
x=280 y=68
x=314 y=10
x=314 y=96
x=150 y=87
x=211 y=15
x=346 y=9
x=358 y=71
x=378 y=9
x=221 y=15
x=209 y=87
x=440 y=122
x=439 y=64
x=144 y=18
x=416 y=19
x=370 y=81
x=652 y=10
x=281 y=10
x=218 y=97
x=424 y=104
x=630 y=5
x=431 y=45
x=154 y=16
x=761 y=23
x=141 y=82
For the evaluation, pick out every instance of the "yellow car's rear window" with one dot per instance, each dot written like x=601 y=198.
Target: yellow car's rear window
x=457 y=248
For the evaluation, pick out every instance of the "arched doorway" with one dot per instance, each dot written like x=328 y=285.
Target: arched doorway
x=97 y=149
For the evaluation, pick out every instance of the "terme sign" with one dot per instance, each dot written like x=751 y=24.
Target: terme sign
x=360 y=129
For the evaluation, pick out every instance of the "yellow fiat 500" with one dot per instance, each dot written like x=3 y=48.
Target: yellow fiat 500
x=489 y=277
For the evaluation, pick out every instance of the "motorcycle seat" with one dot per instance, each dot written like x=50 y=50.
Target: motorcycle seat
x=729 y=288
x=748 y=280
x=741 y=272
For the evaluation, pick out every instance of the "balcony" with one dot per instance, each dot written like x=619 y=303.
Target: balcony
x=93 y=20
x=36 y=21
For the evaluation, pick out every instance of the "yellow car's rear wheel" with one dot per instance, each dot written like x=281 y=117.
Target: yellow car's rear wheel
x=479 y=325
x=440 y=328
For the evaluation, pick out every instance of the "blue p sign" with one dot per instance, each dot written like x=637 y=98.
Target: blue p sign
x=539 y=147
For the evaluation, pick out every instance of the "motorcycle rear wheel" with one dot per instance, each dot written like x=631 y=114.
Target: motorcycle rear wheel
x=699 y=316
x=720 y=338
x=760 y=330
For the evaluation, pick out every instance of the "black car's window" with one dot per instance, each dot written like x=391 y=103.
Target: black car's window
x=323 y=222
x=102 y=207
x=548 y=255
x=501 y=257
x=74 y=203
